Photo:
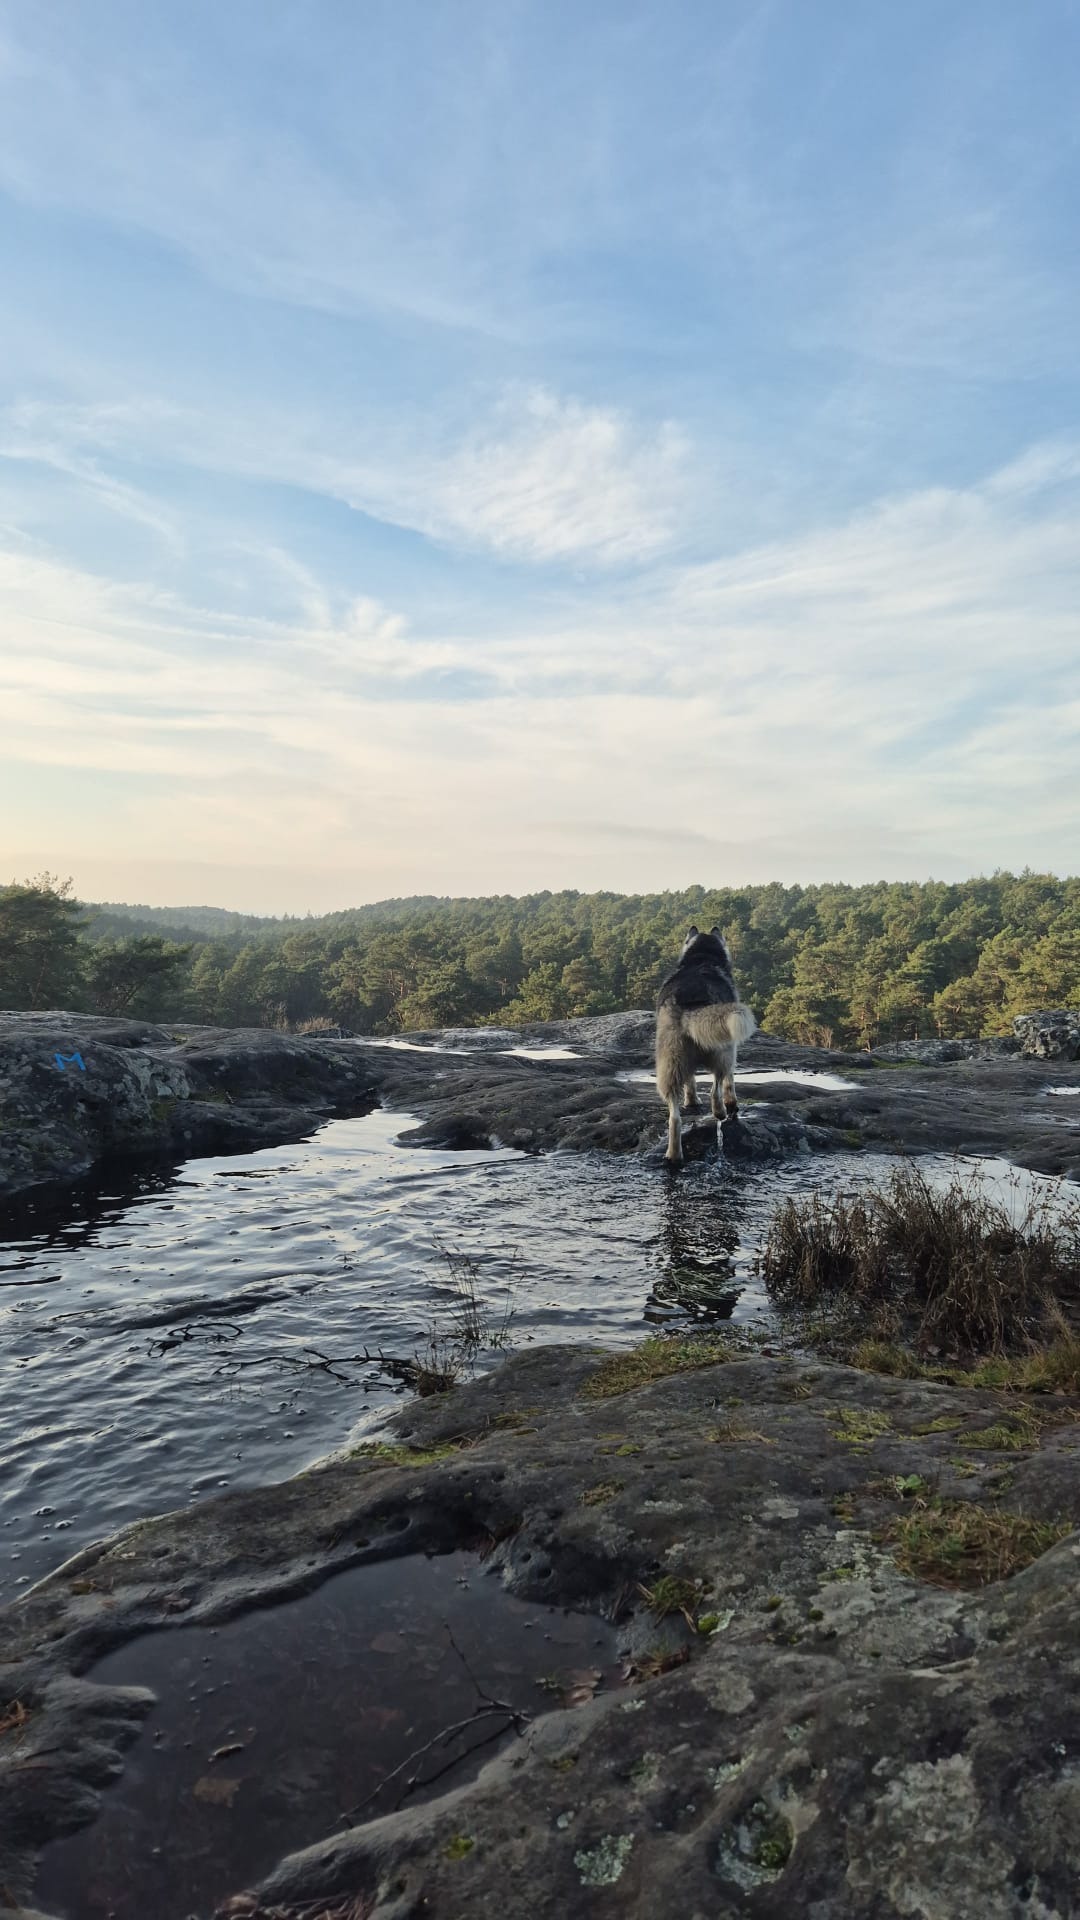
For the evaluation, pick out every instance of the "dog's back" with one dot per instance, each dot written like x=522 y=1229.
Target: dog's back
x=700 y=1022
x=701 y=977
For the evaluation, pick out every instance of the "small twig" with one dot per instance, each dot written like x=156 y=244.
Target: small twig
x=481 y=1692
x=514 y=1720
x=440 y=1739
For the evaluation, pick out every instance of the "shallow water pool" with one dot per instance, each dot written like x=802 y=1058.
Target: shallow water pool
x=205 y=1327
x=369 y=1693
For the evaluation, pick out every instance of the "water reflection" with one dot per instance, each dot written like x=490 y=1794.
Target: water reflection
x=697 y=1249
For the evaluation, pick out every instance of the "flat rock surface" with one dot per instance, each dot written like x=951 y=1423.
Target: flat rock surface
x=838 y=1738
x=992 y=1103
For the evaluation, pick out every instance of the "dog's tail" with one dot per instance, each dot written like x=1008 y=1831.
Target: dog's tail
x=714 y=1028
x=741 y=1023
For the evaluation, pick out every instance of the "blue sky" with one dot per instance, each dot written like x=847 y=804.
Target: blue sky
x=461 y=447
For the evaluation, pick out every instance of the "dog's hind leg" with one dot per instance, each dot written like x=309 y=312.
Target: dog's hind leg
x=673 y=1070
x=723 y=1081
x=690 y=1100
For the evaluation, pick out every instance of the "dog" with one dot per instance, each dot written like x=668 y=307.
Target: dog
x=700 y=1022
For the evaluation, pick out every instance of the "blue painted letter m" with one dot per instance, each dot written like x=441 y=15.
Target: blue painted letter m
x=70 y=1060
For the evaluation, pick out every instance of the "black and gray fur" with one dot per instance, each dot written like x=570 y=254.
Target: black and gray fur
x=700 y=1021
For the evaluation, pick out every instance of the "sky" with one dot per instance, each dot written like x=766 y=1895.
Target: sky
x=466 y=446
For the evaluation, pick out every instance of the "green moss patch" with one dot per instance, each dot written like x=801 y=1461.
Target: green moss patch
x=655 y=1359
x=954 y=1543
x=858 y=1426
x=382 y=1454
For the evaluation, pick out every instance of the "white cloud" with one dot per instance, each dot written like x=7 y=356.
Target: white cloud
x=553 y=479
x=897 y=695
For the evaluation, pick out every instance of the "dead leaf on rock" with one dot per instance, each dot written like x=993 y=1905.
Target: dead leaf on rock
x=216 y=1791
x=578 y=1686
x=222 y=1753
x=245 y=1906
x=649 y=1666
x=12 y=1716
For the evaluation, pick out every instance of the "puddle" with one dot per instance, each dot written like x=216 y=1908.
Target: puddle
x=409 y=1046
x=758 y=1076
x=542 y=1053
x=269 y=1730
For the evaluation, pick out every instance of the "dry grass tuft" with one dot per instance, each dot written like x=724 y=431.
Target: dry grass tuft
x=957 y=1264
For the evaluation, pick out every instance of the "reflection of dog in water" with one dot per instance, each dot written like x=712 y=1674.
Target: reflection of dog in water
x=700 y=1021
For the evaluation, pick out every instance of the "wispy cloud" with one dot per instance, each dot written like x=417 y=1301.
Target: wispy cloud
x=536 y=477
x=546 y=479
x=26 y=434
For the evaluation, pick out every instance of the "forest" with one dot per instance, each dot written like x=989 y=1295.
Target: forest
x=829 y=965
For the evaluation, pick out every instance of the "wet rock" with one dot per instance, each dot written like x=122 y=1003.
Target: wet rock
x=813 y=1731
x=993 y=1103
x=77 y=1091
x=626 y=1037
x=764 y=1133
x=453 y=1132
x=1049 y=1036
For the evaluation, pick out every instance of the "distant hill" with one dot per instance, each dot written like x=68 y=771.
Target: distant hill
x=116 y=918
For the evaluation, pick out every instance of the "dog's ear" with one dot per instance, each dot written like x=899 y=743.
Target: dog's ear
x=715 y=931
x=692 y=934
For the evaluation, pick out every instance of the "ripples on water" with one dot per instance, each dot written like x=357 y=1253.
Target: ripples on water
x=162 y=1341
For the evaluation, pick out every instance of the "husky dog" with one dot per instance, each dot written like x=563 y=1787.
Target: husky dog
x=700 y=1021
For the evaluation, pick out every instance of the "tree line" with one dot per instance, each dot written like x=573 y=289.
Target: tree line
x=830 y=965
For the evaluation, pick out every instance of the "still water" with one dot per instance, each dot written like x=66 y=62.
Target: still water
x=386 y=1685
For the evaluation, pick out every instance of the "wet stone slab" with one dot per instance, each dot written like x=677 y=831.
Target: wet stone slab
x=386 y=1685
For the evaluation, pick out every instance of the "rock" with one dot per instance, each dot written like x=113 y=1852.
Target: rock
x=939 y=1053
x=454 y=1132
x=625 y=1037
x=77 y=1092
x=1049 y=1036
x=763 y=1133
x=837 y=1738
